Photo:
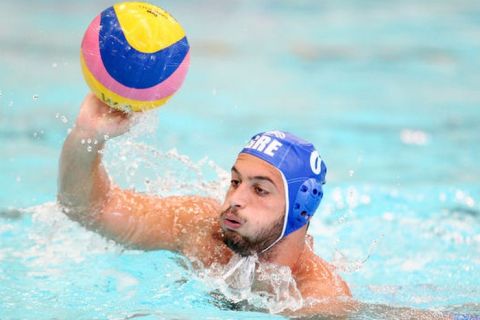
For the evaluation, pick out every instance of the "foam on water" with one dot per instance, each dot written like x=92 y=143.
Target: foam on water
x=56 y=244
x=386 y=220
x=171 y=173
x=50 y=251
x=53 y=245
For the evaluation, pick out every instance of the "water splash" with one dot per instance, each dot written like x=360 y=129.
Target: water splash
x=348 y=263
x=163 y=173
x=254 y=285
x=141 y=166
x=51 y=235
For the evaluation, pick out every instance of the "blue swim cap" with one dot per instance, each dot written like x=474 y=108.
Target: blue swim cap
x=302 y=170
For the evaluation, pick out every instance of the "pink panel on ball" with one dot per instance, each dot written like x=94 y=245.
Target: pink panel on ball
x=93 y=60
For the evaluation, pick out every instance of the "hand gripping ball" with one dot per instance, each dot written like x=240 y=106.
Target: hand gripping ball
x=134 y=56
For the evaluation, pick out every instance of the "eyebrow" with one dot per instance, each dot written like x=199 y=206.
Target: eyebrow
x=255 y=177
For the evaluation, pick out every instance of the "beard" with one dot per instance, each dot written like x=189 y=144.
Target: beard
x=246 y=246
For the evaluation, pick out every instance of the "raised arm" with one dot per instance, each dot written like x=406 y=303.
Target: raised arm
x=83 y=184
x=87 y=195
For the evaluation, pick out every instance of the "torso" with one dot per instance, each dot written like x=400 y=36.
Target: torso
x=313 y=275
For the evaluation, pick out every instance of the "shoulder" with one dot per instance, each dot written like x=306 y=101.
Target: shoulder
x=322 y=289
x=316 y=278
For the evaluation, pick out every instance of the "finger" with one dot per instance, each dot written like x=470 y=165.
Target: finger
x=97 y=103
x=119 y=116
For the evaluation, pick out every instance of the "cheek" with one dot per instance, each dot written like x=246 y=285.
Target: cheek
x=255 y=224
x=279 y=206
x=272 y=209
x=262 y=216
x=257 y=219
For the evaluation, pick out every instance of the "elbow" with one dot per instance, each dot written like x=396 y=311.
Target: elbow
x=70 y=210
x=85 y=215
x=64 y=204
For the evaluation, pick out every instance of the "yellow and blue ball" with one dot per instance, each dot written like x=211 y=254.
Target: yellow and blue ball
x=134 y=56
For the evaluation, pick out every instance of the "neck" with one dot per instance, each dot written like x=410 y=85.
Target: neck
x=287 y=251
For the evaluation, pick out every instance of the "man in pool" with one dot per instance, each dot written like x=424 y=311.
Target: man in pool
x=276 y=186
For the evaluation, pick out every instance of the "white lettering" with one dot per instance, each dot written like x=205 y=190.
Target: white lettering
x=315 y=162
x=251 y=142
x=272 y=147
x=261 y=143
x=264 y=144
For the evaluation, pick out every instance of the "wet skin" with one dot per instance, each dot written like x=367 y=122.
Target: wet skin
x=249 y=220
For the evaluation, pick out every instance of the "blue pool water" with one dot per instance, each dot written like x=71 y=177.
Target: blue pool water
x=387 y=90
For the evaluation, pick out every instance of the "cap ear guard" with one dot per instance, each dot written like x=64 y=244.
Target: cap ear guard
x=307 y=201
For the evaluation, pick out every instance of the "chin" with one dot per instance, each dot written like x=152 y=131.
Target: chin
x=237 y=243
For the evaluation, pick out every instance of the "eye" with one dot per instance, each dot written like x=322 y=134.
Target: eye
x=260 y=191
x=234 y=183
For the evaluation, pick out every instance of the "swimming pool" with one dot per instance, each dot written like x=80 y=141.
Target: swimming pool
x=387 y=91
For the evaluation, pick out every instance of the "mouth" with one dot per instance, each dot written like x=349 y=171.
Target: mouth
x=230 y=221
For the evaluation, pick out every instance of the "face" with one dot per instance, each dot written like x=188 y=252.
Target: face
x=253 y=211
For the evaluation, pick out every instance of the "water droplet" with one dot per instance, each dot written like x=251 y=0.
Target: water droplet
x=89 y=148
x=89 y=140
x=54 y=65
x=35 y=134
x=64 y=119
x=35 y=97
x=351 y=172
x=106 y=137
x=57 y=115
x=69 y=130
x=82 y=141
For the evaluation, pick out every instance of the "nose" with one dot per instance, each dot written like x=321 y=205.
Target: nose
x=238 y=197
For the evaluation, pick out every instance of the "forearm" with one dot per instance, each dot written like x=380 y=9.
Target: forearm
x=83 y=183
